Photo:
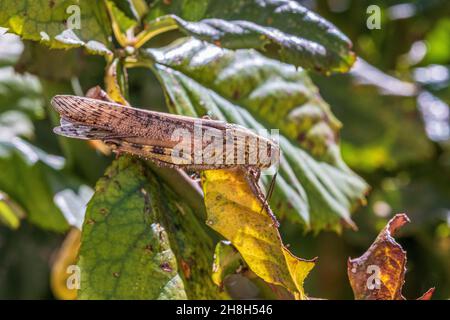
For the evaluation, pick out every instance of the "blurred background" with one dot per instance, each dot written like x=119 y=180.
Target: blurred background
x=394 y=107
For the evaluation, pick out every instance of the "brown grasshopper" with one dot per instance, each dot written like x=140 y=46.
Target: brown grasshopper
x=166 y=139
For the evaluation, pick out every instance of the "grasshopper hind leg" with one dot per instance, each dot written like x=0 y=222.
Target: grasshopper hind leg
x=252 y=174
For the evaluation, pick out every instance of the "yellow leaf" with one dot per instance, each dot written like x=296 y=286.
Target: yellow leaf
x=66 y=257
x=236 y=213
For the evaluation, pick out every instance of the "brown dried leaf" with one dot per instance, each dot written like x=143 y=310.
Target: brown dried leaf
x=379 y=274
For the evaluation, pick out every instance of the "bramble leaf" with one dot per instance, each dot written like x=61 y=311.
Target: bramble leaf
x=140 y=242
x=282 y=29
x=314 y=185
x=60 y=23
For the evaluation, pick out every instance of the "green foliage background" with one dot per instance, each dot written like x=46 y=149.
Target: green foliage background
x=393 y=107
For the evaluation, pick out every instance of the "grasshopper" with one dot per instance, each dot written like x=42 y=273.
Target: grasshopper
x=166 y=139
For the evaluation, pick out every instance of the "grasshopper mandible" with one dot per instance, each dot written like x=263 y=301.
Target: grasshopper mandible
x=166 y=139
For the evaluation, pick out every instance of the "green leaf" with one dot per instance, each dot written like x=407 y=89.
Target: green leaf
x=282 y=29
x=313 y=185
x=438 y=43
x=66 y=64
x=31 y=177
x=60 y=23
x=139 y=241
x=120 y=22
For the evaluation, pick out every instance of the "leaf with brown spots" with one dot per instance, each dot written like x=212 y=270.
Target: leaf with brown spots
x=379 y=274
x=282 y=29
x=136 y=233
x=60 y=24
x=237 y=214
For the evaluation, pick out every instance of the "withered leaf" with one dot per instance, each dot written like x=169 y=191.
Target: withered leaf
x=379 y=274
